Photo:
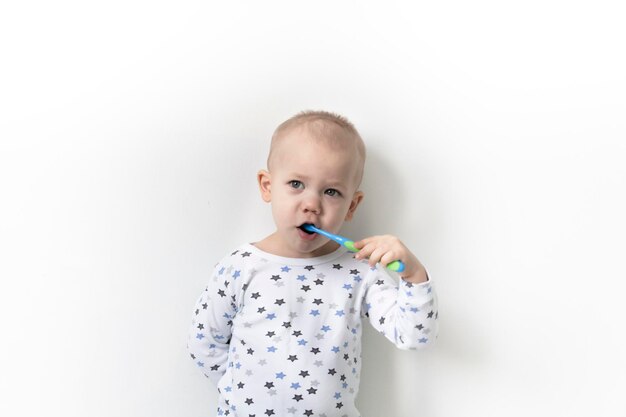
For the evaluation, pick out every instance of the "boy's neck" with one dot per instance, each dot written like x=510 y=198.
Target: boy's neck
x=273 y=245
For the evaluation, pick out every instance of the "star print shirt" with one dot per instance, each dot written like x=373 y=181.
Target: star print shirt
x=282 y=336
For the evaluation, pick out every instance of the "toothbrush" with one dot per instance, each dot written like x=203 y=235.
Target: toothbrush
x=397 y=266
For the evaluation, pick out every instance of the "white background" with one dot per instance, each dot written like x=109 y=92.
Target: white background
x=131 y=133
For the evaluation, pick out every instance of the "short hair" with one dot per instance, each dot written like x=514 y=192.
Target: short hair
x=322 y=122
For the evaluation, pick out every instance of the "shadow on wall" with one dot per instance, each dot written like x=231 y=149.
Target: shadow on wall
x=384 y=208
x=389 y=374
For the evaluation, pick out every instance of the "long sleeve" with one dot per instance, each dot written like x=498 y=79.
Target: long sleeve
x=210 y=332
x=404 y=313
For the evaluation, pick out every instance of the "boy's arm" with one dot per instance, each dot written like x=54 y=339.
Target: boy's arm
x=210 y=332
x=405 y=313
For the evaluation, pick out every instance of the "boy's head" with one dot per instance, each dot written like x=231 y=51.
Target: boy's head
x=327 y=128
x=314 y=170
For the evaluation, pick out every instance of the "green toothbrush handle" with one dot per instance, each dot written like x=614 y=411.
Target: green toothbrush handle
x=396 y=266
x=350 y=245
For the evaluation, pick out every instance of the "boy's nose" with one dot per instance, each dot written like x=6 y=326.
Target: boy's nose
x=312 y=204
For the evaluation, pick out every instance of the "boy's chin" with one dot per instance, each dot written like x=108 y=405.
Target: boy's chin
x=324 y=248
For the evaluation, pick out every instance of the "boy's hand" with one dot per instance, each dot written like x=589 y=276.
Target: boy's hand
x=386 y=249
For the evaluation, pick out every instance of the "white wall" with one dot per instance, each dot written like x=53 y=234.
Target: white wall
x=131 y=132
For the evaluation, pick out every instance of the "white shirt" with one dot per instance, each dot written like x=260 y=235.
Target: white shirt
x=282 y=336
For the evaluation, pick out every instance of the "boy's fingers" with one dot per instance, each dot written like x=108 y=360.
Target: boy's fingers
x=364 y=251
x=376 y=250
x=388 y=258
x=375 y=256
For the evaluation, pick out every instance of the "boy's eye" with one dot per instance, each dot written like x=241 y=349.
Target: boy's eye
x=295 y=183
x=332 y=192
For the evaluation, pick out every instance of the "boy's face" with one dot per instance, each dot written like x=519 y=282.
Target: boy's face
x=310 y=182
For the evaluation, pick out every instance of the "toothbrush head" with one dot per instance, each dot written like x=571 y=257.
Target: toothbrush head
x=308 y=228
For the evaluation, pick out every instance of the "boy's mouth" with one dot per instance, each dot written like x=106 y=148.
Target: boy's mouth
x=301 y=227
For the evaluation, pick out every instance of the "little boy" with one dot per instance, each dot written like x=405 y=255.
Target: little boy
x=278 y=328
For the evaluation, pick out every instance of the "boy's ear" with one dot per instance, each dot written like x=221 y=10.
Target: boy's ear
x=264 y=179
x=356 y=200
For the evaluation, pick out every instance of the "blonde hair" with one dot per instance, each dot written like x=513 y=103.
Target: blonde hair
x=329 y=127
